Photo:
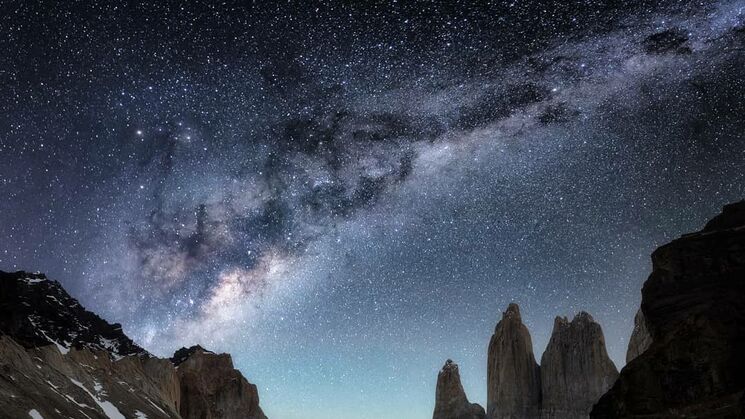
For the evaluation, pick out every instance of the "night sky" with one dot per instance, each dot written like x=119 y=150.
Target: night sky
x=345 y=195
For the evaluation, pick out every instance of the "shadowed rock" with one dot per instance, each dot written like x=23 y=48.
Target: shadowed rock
x=513 y=376
x=694 y=305
x=640 y=338
x=36 y=311
x=575 y=368
x=450 y=399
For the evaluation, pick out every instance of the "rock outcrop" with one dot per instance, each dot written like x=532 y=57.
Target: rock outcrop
x=513 y=376
x=694 y=305
x=450 y=398
x=575 y=368
x=212 y=388
x=59 y=360
x=640 y=337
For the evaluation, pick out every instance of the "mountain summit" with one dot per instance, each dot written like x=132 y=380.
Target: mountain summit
x=36 y=311
x=59 y=360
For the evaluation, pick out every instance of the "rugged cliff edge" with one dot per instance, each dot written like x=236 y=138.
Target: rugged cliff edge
x=59 y=360
x=513 y=376
x=575 y=368
x=694 y=306
x=450 y=399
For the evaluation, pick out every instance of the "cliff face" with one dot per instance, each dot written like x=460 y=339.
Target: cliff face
x=575 y=368
x=212 y=388
x=694 y=305
x=640 y=337
x=513 y=376
x=450 y=399
x=59 y=360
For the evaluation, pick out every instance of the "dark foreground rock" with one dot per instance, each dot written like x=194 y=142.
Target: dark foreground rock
x=694 y=305
x=36 y=311
x=450 y=399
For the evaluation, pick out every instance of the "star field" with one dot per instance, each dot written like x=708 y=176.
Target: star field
x=344 y=195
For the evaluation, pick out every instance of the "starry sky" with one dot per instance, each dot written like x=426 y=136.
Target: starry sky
x=343 y=195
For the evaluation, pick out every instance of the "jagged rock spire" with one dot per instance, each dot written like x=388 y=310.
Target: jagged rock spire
x=513 y=376
x=575 y=368
x=450 y=399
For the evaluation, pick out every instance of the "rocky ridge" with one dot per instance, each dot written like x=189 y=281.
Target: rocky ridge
x=37 y=311
x=59 y=360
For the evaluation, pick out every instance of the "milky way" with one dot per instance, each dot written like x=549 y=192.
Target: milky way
x=343 y=196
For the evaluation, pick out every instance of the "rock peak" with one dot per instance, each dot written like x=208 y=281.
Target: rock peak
x=36 y=311
x=184 y=353
x=513 y=377
x=449 y=364
x=450 y=398
x=583 y=317
x=575 y=368
x=512 y=312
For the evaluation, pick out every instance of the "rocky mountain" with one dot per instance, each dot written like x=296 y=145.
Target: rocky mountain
x=58 y=360
x=575 y=368
x=37 y=311
x=450 y=398
x=640 y=338
x=513 y=376
x=694 y=306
